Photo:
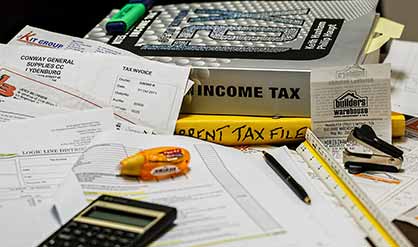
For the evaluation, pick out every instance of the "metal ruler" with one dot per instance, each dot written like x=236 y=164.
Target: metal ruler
x=380 y=231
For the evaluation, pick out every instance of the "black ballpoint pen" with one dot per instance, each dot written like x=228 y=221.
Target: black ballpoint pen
x=285 y=176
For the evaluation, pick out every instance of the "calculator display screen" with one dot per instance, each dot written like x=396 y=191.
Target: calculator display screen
x=118 y=216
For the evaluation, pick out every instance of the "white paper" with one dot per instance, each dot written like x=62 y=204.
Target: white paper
x=393 y=193
x=410 y=216
x=69 y=199
x=400 y=200
x=407 y=143
x=20 y=85
x=378 y=185
x=403 y=57
x=150 y=91
x=33 y=36
x=219 y=201
x=11 y=109
x=405 y=195
x=19 y=110
x=338 y=224
x=40 y=152
x=24 y=225
x=342 y=100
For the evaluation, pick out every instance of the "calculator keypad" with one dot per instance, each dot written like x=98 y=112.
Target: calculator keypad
x=77 y=234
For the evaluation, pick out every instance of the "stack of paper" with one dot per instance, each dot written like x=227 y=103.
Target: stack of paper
x=53 y=104
x=74 y=102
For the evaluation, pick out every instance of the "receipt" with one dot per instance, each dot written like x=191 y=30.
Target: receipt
x=346 y=97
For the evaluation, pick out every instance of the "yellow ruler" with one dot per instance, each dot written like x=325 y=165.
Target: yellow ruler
x=380 y=231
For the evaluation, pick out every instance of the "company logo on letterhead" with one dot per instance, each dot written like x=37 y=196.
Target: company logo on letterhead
x=351 y=104
x=6 y=89
x=30 y=38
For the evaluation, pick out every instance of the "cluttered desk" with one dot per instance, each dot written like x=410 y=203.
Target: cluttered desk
x=228 y=123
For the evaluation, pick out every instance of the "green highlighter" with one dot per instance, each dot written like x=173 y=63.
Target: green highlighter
x=125 y=18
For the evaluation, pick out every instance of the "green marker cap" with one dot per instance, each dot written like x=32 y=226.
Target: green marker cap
x=125 y=18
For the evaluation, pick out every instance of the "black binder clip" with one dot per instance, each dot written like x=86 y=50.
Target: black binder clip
x=364 y=151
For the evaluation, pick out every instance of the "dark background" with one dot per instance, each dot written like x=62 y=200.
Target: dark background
x=69 y=17
x=72 y=17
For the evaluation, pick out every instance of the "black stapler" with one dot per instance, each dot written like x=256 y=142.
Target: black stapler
x=364 y=151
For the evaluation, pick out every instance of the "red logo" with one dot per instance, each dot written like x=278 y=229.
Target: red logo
x=27 y=36
x=6 y=89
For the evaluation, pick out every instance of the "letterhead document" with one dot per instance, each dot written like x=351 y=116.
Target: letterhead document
x=36 y=154
x=38 y=37
x=19 y=85
x=22 y=86
x=150 y=91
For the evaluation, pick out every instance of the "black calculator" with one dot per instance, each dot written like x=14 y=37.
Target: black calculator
x=114 y=222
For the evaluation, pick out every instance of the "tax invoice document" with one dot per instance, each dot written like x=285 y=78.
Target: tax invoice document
x=150 y=91
x=37 y=37
x=36 y=154
x=19 y=85
x=225 y=199
x=22 y=86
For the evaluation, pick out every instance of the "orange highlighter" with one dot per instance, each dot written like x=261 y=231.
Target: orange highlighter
x=157 y=163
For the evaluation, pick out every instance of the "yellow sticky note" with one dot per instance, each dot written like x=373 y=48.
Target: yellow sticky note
x=377 y=43
x=387 y=29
